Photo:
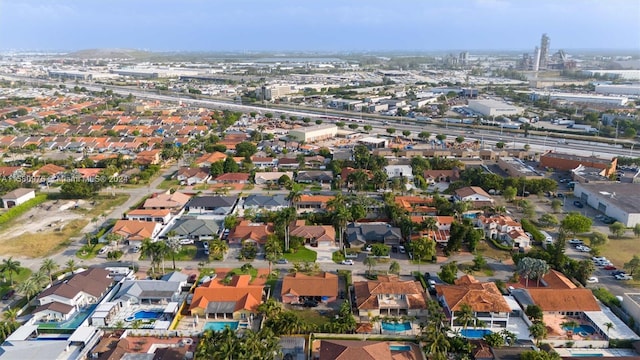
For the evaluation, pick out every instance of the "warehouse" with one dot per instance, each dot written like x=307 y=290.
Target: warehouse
x=568 y=162
x=493 y=108
x=616 y=200
x=314 y=133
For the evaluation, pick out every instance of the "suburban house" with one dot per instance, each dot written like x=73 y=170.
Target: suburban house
x=485 y=299
x=261 y=162
x=359 y=234
x=475 y=195
x=504 y=229
x=211 y=204
x=257 y=202
x=416 y=205
x=288 y=163
x=298 y=287
x=12 y=172
x=238 y=298
x=189 y=176
x=134 y=232
x=162 y=291
x=174 y=202
x=195 y=229
x=441 y=176
x=231 y=178
x=312 y=203
x=17 y=197
x=363 y=350
x=207 y=159
x=315 y=176
x=247 y=231
x=60 y=301
x=148 y=157
x=389 y=296
x=314 y=235
x=399 y=171
x=442 y=233
x=162 y=216
x=49 y=171
x=272 y=177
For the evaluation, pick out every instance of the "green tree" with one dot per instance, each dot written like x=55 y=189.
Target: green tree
x=406 y=133
x=618 y=229
x=633 y=266
x=368 y=128
x=48 y=266
x=538 y=331
x=424 y=135
x=231 y=221
x=78 y=190
x=217 y=168
x=272 y=250
x=465 y=315
x=394 y=268
x=509 y=193
x=71 y=265
x=10 y=267
x=597 y=239
x=534 y=312
x=556 y=205
x=391 y=131
x=449 y=272
x=370 y=262
x=29 y=288
x=548 y=220
x=575 y=223
x=423 y=249
x=479 y=262
x=230 y=165
x=636 y=230
x=500 y=145
x=460 y=139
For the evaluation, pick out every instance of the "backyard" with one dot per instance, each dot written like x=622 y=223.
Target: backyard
x=302 y=254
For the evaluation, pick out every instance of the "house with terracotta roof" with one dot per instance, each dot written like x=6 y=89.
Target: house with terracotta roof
x=189 y=176
x=236 y=297
x=167 y=200
x=329 y=349
x=298 y=287
x=134 y=232
x=312 y=203
x=231 y=178
x=390 y=296
x=485 y=299
x=442 y=233
x=475 y=194
x=416 y=205
x=63 y=299
x=162 y=216
x=207 y=159
x=148 y=157
x=246 y=231
x=12 y=172
x=504 y=229
x=49 y=172
x=314 y=235
x=441 y=176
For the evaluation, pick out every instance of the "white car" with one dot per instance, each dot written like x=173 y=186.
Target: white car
x=367 y=248
x=623 y=277
x=186 y=241
x=347 y=262
x=401 y=249
x=599 y=258
x=104 y=250
x=583 y=248
x=592 y=280
x=575 y=242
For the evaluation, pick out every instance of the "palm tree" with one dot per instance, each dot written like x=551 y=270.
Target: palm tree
x=115 y=238
x=340 y=216
x=285 y=217
x=173 y=247
x=218 y=247
x=49 y=266
x=394 y=268
x=39 y=277
x=10 y=267
x=272 y=250
x=29 y=288
x=11 y=314
x=270 y=308
x=71 y=265
x=370 y=262
x=609 y=326
x=465 y=315
x=538 y=331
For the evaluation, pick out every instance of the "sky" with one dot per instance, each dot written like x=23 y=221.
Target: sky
x=318 y=25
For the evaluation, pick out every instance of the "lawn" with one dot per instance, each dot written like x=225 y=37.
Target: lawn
x=187 y=253
x=302 y=255
x=22 y=275
x=489 y=251
x=32 y=244
x=312 y=317
x=167 y=184
x=620 y=251
x=467 y=268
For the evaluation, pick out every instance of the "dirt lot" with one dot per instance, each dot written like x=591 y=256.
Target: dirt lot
x=46 y=217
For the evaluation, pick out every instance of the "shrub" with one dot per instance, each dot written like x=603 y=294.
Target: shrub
x=114 y=255
x=337 y=256
x=18 y=210
x=530 y=228
x=500 y=245
x=606 y=297
x=420 y=278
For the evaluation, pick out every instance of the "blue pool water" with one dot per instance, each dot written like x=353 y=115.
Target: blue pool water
x=143 y=315
x=587 y=355
x=396 y=326
x=582 y=329
x=73 y=323
x=474 y=333
x=399 y=347
x=220 y=325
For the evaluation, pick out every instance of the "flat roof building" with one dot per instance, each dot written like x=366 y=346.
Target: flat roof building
x=569 y=162
x=493 y=108
x=314 y=133
x=616 y=200
x=581 y=98
x=517 y=168
x=625 y=89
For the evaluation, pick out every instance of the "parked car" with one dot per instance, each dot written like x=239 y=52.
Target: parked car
x=583 y=248
x=578 y=204
x=347 y=262
x=618 y=272
x=623 y=277
x=402 y=249
x=592 y=280
x=282 y=261
x=193 y=278
x=104 y=250
x=367 y=248
x=205 y=244
x=599 y=258
x=610 y=267
x=8 y=294
x=186 y=241
x=575 y=242
x=608 y=220
x=310 y=303
x=136 y=249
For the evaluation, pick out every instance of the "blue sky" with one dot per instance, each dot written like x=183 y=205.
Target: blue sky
x=318 y=25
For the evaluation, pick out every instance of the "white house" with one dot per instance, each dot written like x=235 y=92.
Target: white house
x=399 y=171
x=504 y=229
x=17 y=197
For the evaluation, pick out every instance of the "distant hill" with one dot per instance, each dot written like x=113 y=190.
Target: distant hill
x=110 y=54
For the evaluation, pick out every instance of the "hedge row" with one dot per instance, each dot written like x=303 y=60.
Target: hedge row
x=420 y=278
x=500 y=245
x=18 y=210
x=530 y=228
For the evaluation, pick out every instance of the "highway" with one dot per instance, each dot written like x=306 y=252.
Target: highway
x=488 y=138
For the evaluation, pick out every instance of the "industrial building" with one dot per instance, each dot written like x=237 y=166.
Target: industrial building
x=271 y=92
x=625 y=89
x=567 y=162
x=616 y=200
x=314 y=133
x=493 y=108
x=619 y=74
x=581 y=98
x=78 y=75
x=517 y=168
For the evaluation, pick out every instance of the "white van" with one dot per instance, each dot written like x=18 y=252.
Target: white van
x=547 y=238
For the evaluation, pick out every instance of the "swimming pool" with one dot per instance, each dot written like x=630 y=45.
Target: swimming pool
x=389 y=326
x=582 y=329
x=143 y=315
x=475 y=333
x=399 y=347
x=220 y=325
x=73 y=323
